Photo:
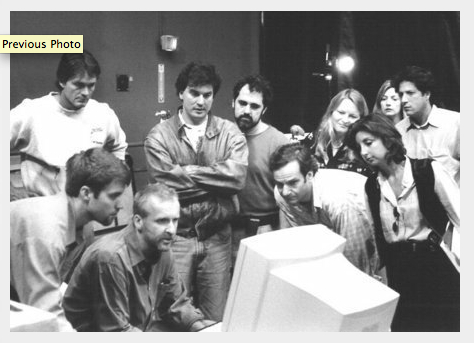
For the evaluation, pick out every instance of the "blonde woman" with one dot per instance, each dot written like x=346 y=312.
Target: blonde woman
x=344 y=109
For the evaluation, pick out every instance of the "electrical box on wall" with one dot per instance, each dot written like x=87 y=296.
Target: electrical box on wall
x=123 y=83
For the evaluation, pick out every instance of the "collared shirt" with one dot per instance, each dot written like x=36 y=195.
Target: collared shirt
x=438 y=138
x=114 y=289
x=194 y=132
x=339 y=203
x=42 y=231
x=404 y=210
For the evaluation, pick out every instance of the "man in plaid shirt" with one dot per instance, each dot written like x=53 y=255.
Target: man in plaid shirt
x=335 y=198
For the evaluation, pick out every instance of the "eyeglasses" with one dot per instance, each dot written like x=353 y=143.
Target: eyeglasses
x=395 y=223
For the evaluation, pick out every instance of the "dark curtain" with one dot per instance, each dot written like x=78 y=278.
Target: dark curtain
x=294 y=48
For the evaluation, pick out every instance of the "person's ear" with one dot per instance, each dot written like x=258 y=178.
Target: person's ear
x=264 y=110
x=137 y=222
x=181 y=95
x=85 y=193
x=309 y=176
x=233 y=103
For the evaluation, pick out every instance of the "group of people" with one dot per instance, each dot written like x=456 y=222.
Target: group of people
x=213 y=182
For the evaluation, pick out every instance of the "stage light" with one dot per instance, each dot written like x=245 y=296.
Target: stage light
x=345 y=64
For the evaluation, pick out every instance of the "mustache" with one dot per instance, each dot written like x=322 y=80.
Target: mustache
x=245 y=116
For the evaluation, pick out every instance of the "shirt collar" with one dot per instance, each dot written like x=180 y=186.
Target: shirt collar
x=317 y=202
x=201 y=126
x=433 y=120
x=131 y=240
x=407 y=182
x=73 y=234
x=212 y=128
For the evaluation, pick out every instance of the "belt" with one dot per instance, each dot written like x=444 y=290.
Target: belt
x=189 y=201
x=271 y=219
x=27 y=157
x=413 y=247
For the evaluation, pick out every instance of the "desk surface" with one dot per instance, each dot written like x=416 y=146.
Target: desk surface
x=213 y=328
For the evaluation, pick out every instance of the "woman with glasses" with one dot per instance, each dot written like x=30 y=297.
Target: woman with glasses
x=411 y=202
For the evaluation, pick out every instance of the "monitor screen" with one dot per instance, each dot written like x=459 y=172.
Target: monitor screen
x=297 y=279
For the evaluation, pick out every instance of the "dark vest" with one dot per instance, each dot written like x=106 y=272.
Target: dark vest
x=430 y=205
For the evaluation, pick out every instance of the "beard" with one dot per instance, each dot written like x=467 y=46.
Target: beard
x=246 y=123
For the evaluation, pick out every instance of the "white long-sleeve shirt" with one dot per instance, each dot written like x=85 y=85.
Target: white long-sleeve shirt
x=43 y=129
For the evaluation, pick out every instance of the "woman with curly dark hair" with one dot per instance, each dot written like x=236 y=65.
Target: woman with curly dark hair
x=412 y=202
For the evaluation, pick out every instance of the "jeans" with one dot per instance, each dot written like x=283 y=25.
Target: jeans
x=204 y=267
x=240 y=231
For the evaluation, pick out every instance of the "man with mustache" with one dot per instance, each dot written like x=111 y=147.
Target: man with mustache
x=204 y=158
x=50 y=129
x=127 y=281
x=427 y=131
x=44 y=231
x=252 y=96
x=333 y=197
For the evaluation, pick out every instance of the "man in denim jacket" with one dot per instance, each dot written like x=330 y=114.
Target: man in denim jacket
x=204 y=158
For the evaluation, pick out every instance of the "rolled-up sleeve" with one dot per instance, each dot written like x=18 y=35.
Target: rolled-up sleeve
x=175 y=307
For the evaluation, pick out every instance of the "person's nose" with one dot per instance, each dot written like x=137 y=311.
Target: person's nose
x=404 y=99
x=247 y=109
x=118 y=204
x=285 y=191
x=345 y=119
x=171 y=228
x=363 y=151
x=86 y=91
x=200 y=99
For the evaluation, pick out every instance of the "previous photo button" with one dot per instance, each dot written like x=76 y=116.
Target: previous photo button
x=41 y=44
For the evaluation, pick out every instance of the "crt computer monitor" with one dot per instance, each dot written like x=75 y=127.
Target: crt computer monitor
x=297 y=279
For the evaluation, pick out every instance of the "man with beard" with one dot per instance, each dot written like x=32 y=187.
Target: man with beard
x=252 y=96
x=44 y=231
x=127 y=281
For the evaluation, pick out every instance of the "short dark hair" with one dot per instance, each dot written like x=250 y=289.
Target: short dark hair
x=294 y=152
x=196 y=74
x=423 y=79
x=383 y=128
x=159 y=190
x=256 y=83
x=95 y=168
x=71 y=65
